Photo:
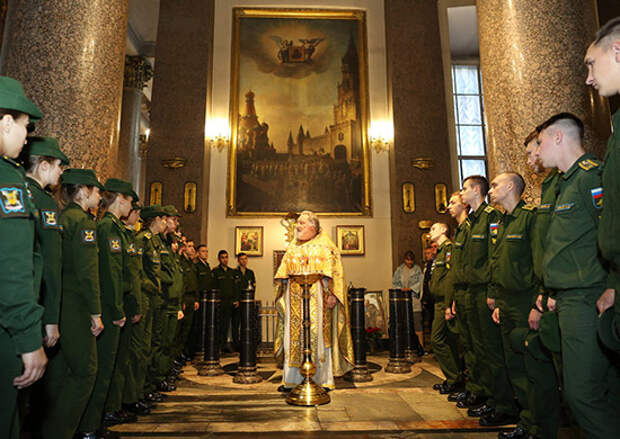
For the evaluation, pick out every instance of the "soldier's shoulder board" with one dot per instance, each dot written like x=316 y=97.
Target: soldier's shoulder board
x=12 y=202
x=89 y=236
x=489 y=209
x=588 y=164
x=529 y=207
x=148 y=235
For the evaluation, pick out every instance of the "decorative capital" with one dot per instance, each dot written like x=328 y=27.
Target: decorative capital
x=137 y=72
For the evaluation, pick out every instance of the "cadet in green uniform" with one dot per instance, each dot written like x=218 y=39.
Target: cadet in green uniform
x=244 y=279
x=458 y=305
x=21 y=355
x=604 y=75
x=190 y=298
x=224 y=281
x=441 y=285
x=173 y=292
x=204 y=284
x=72 y=373
x=485 y=334
x=148 y=240
x=544 y=392
x=123 y=380
x=573 y=271
x=117 y=197
x=43 y=160
x=514 y=288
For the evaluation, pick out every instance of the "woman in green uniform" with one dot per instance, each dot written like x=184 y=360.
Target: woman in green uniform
x=72 y=372
x=43 y=161
x=112 y=245
x=22 y=360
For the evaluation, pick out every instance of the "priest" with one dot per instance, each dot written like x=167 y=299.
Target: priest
x=332 y=349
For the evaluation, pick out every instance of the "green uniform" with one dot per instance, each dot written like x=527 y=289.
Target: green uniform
x=224 y=281
x=172 y=293
x=190 y=297
x=205 y=279
x=112 y=246
x=160 y=316
x=20 y=315
x=151 y=287
x=242 y=282
x=573 y=271
x=123 y=379
x=514 y=287
x=140 y=343
x=609 y=227
x=71 y=374
x=464 y=306
x=205 y=282
x=443 y=340
x=49 y=239
x=484 y=333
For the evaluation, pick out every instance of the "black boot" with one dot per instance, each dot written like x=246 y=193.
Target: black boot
x=495 y=419
x=164 y=386
x=458 y=396
x=478 y=412
x=517 y=433
x=137 y=409
x=472 y=402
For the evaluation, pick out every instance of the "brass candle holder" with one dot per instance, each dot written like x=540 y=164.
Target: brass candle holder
x=308 y=393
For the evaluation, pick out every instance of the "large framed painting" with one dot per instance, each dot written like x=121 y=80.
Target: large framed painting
x=299 y=113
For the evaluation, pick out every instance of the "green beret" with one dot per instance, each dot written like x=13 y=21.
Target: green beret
x=549 y=331
x=12 y=97
x=171 y=210
x=80 y=176
x=152 y=211
x=119 y=186
x=608 y=329
x=47 y=147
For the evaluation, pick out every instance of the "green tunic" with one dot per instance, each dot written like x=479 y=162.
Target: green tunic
x=574 y=272
x=49 y=237
x=20 y=315
x=609 y=226
x=244 y=280
x=71 y=374
x=205 y=280
x=550 y=187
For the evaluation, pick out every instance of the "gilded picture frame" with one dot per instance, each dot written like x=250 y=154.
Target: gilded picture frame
x=156 y=190
x=189 y=197
x=249 y=240
x=441 y=198
x=408 y=197
x=351 y=240
x=299 y=113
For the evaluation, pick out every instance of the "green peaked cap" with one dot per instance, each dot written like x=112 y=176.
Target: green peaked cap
x=46 y=146
x=152 y=211
x=80 y=176
x=171 y=210
x=12 y=97
x=119 y=186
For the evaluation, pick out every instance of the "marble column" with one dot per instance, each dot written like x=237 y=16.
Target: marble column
x=69 y=55
x=178 y=108
x=531 y=56
x=137 y=72
x=420 y=119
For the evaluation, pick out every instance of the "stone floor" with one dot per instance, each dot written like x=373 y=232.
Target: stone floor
x=389 y=407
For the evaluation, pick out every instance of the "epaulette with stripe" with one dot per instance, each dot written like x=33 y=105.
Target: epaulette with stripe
x=148 y=235
x=529 y=207
x=489 y=209
x=588 y=164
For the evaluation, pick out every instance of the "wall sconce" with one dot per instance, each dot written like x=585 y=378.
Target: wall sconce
x=143 y=142
x=217 y=133
x=381 y=135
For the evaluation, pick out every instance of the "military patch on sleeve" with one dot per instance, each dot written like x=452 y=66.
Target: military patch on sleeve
x=493 y=229
x=49 y=219
x=12 y=202
x=148 y=235
x=115 y=245
x=588 y=164
x=89 y=236
x=597 y=197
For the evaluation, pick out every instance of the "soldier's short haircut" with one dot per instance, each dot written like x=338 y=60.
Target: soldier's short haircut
x=241 y=254
x=518 y=182
x=445 y=227
x=608 y=33
x=201 y=246
x=567 y=122
x=480 y=182
x=531 y=136
x=221 y=252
